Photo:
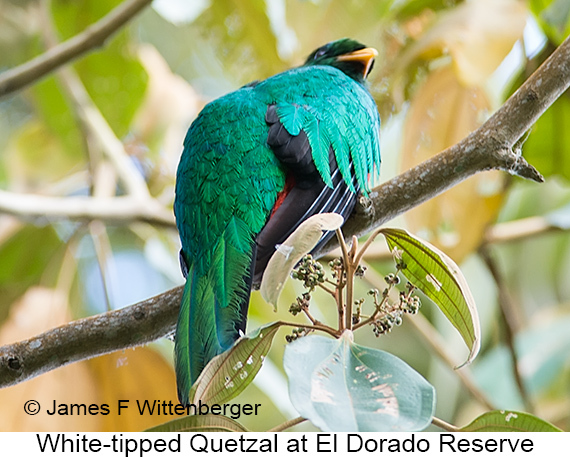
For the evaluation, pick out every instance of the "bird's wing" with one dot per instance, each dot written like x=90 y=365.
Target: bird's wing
x=324 y=127
x=226 y=186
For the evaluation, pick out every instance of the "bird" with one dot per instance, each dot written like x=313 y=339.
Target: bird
x=256 y=163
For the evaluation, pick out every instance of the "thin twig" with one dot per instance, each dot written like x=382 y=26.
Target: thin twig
x=444 y=425
x=349 y=271
x=366 y=246
x=520 y=229
x=98 y=233
x=378 y=308
x=432 y=337
x=318 y=326
x=341 y=281
x=314 y=321
x=508 y=311
x=343 y=247
x=326 y=289
x=503 y=232
x=92 y=37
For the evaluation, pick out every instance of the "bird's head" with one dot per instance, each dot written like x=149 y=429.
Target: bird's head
x=351 y=57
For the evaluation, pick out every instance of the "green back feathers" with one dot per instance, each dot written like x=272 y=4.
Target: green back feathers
x=226 y=185
x=333 y=110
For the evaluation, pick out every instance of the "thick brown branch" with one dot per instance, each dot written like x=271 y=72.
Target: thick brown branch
x=85 y=338
x=93 y=36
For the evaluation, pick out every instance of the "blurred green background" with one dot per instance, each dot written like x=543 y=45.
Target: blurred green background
x=443 y=67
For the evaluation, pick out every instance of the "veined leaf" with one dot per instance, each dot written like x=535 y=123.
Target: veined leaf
x=439 y=277
x=509 y=421
x=228 y=374
x=288 y=254
x=206 y=423
x=343 y=387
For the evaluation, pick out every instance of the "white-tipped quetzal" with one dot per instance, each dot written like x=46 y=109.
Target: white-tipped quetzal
x=256 y=163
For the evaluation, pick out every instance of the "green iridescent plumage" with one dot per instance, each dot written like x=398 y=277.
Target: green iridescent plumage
x=234 y=169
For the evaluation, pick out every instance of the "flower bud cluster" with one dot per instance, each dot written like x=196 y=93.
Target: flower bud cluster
x=310 y=272
x=301 y=303
x=295 y=334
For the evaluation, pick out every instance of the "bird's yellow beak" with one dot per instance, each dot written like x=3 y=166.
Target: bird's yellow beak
x=366 y=56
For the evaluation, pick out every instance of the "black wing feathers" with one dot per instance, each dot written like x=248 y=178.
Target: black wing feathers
x=309 y=196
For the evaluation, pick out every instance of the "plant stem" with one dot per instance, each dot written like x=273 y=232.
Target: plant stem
x=376 y=312
x=349 y=269
x=431 y=336
x=444 y=425
x=366 y=245
x=322 y=327
x=326 y=289
x=508 y=310
x=342 y=311
x=93 y=36
x=314 y=321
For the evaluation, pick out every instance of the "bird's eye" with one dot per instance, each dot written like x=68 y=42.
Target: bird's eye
x=319 y=53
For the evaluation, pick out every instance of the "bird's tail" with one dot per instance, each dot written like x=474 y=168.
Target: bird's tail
x=213 y=311
x=196 y=342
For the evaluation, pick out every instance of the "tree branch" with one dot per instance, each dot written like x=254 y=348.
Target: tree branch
x=85 y=338
x=520 y=229
x=109 y=209
x=489 y=147
x=93 y=36
x=97 y=126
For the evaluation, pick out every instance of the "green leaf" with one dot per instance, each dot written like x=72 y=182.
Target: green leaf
x=113 y=76
x=343 y=387
x=509 y=421
x=288 y=254
x=228 y=374
x=24 y=258
x=206 y=423
x=439 y=278
x=56 y=112
x=554 y=18
x=549 y=141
